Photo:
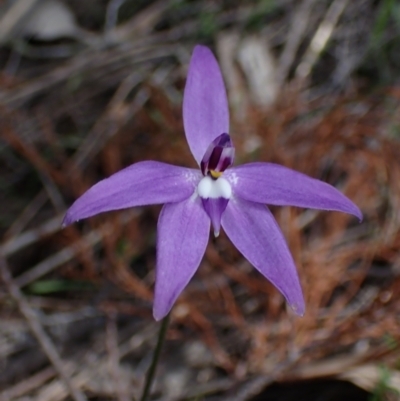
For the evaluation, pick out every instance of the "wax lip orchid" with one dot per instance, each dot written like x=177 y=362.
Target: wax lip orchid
x=217 y=194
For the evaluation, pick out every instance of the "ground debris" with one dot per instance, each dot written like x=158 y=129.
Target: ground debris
x=116 y=99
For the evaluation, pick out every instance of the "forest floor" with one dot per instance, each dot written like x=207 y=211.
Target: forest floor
x=87 y=88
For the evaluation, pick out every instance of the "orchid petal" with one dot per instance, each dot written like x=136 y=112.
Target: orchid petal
x=205 y=105
x=277 y=185
x=253 y=230
x=183 y=232
x=143 y=183
x=215 y=208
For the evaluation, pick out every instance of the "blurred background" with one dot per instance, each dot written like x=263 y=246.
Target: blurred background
x=89 y=87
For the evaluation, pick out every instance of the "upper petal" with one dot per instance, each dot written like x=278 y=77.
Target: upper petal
x=277 y=185
x=254 y=231
x=205 y=106
x=143 y=183
x=182 y=236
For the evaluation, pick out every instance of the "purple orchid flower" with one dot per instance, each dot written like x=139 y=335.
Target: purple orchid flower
x=231 y=197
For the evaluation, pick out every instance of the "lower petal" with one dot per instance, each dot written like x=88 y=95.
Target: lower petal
x=182 y=237
x=254 y=231
x=214 y=209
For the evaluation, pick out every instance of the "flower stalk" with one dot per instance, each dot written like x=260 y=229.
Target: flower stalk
x=156 y=357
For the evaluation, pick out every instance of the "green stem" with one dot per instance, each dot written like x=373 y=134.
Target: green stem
x=156 y=357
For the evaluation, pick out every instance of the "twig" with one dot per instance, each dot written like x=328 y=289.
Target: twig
x=13 y=16
x=31 y=236
x=51 y=263
x=107 y=126
x=27 y=214
x=295 y=36
x=140 y=24
x=52 y=191
x=29 y=384
x=254 y=386
x=129 y=53
x=91 y=60
x=47 y=174
x=12 y=64
x=38 y=331
x=321 y=38
x=28 y=151
x=67 y=254
x=200 y=391
x=112 y=15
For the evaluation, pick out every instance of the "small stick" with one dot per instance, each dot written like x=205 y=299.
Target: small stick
x=13 y=16
x=31 y=383
x=38 y=331
x=26 y=215
x=112 y=14
x=29 y=237
x=66 y=254
x=321 y=38
x=295 y=36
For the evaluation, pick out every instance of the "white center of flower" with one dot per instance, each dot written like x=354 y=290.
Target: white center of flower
x=209 y=188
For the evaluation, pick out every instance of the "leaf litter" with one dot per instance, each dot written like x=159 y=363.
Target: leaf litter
x=68 y=123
